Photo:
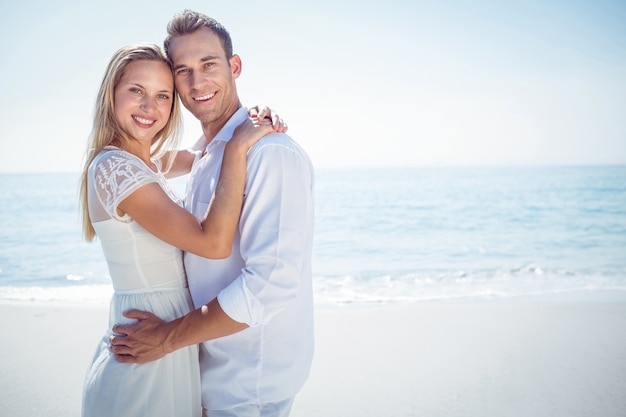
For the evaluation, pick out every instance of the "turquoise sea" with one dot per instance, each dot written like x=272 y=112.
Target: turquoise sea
x=383 y=236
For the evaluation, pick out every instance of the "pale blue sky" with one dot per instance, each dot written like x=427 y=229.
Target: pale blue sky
x=361 y=83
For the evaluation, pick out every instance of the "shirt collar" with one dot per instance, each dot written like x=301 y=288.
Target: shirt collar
x=235 y=120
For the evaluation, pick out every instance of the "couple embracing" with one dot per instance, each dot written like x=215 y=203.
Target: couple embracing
x=212 y=311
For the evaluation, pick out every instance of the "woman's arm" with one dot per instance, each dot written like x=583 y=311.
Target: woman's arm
x=213 y=237
x=183 y=158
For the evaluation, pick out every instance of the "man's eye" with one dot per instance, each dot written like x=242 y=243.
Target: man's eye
x=182 y=71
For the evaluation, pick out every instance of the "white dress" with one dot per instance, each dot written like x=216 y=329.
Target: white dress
x=147 y=274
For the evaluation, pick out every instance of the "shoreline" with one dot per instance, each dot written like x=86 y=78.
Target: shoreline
x=585 y=296
x=522 y=358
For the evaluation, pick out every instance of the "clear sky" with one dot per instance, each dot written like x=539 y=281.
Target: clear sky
x=361 y=83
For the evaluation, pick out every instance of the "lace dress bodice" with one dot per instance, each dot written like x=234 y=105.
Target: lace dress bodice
x=137 y=259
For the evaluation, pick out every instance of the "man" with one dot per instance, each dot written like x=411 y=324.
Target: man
x=254 y=316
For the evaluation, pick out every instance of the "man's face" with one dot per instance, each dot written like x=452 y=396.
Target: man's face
x=204 y=78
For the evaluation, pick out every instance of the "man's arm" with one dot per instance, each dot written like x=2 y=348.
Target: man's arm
x=152 y=338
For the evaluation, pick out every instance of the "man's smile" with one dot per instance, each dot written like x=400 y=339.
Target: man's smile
x=205 y=98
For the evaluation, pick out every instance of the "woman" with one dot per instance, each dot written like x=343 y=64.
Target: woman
x=128 y=204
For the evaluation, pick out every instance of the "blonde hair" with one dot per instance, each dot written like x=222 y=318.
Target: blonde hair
x=106 y=129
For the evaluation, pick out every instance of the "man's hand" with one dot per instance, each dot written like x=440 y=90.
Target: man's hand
x=152 y=338
x=141 y=342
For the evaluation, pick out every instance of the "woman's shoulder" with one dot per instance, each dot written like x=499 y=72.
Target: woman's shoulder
x=112 y=159
x=117 y=173
x=112 y=154
x=116 y=166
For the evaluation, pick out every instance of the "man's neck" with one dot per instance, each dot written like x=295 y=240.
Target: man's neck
x=211 y=129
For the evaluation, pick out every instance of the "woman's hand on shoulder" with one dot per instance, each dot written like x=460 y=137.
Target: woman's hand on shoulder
x=264 y=112
x=248 y=133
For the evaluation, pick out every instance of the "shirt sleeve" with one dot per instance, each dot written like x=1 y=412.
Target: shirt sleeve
x=276 y=232
x=116 y=176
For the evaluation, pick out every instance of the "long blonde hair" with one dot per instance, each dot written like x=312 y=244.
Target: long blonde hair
x=106 y=129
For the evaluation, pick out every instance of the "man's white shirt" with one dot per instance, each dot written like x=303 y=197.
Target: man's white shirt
x=266 y=282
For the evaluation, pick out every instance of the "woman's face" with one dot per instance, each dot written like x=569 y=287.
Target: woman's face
x=143 y=99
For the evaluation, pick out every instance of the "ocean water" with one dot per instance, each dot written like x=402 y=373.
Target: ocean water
x=383 y=236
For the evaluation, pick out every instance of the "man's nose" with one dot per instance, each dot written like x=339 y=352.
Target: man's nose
x=197 y=81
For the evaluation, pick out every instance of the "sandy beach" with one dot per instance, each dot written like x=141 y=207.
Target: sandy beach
x=462 y=359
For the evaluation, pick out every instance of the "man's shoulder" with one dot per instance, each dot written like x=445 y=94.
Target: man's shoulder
x=277 y=142
x=276 y=138
x=276 y=147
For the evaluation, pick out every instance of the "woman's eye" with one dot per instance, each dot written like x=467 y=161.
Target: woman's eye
x=135 y=90
x=164 y=97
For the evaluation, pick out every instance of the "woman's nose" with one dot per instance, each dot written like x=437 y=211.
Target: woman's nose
x=147 y=103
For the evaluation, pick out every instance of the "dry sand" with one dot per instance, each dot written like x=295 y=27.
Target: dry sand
x=477 y=359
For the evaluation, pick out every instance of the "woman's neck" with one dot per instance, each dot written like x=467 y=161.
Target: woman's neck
x=140 y=150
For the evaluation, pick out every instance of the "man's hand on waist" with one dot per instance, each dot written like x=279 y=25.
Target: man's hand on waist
x=141 y=342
